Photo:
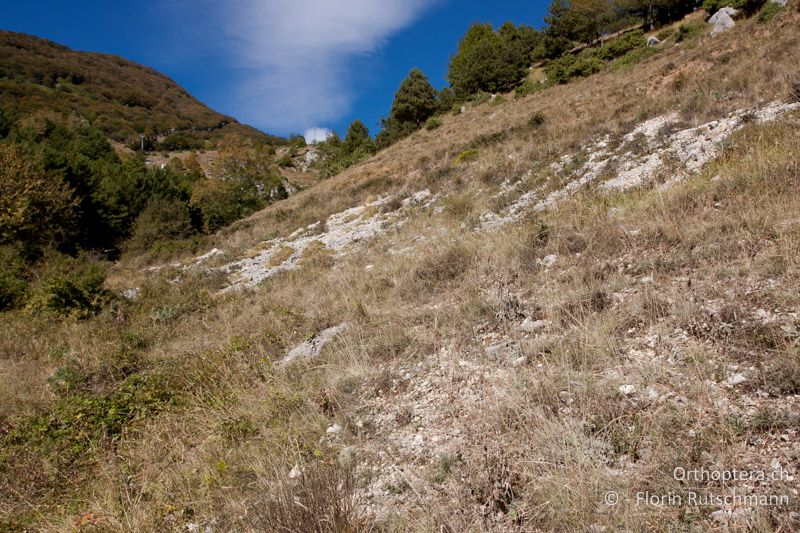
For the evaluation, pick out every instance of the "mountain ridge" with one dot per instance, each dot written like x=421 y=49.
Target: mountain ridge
x=42 y=78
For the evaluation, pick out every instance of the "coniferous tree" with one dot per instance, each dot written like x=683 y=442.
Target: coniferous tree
x=415 y=100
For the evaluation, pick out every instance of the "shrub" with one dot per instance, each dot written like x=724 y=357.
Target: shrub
x=443 y=267
x=769 y=10
x=529 y=87
x=633 y=57
x=221 y=201
x=480 y=97
x=537 y=119
x=794 y=90
x=567 y=67
x=433 y=123
x=69 y=286
x=161 y=220
x=321 y=500
x=690 y=31
x=622 y=45
x=12 y=281
x=466 y=155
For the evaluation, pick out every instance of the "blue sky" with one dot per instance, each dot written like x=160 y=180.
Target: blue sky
x=281 y=65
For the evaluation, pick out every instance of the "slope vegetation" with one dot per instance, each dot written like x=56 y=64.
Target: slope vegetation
x=522 y=320
x=40 y=79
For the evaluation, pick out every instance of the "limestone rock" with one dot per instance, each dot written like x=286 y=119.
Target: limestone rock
x=722 y=20
x=313 y=347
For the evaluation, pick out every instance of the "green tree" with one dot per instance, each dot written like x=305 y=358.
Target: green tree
x=414 y=103
x=487 y=61
x=415 y=100
x=357 y=140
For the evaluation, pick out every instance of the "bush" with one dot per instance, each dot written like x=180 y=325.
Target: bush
x=223 y=201
x=536 y=120
x=529 y=87
x=180 y=141
x=69 y=286
x=621 y=45
x=466 y=155
x=433 y=123
x=161 y=220
x=633 y=57
x=12 y=281
x=567 y=67
x=769 y=10
x=443 y=267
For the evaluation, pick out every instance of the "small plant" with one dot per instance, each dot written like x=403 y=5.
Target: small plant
x=321 y=500
x=480 y=98
x=497 y=100
x=286 y=161
x=769 y=11
x=528 y=87
x=567 y=67
x=316 y=254
x=536 y=120
x=443 y=267
x=467 y=155
x=433 y=123
x=281 y=256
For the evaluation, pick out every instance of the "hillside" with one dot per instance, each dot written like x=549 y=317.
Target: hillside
x=533 y=317
x=40 y=79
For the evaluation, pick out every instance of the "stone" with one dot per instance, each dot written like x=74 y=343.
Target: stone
x=735 y=379
x=627 y=390
x=295 y=472
x=312 y=347
x=131 y=294
x=653 y=41
x=729 y=11
x=781 y=3
x=334 y=430
x=722 y=20
x=532 y=326
x=548 y=260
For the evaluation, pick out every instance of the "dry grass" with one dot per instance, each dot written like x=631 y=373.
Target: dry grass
x=545 y=444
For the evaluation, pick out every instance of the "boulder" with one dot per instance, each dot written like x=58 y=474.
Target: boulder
x=781 y=3
x=652 y=41
x=731 y=12
x=722 y=21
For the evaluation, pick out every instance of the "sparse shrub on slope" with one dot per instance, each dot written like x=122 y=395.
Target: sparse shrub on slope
x=69 y=286
x=567 y=67
x=337 y=155
x=161 y=220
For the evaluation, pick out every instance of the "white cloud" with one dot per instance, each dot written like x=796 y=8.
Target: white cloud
x=296 y=56
x=316 y=135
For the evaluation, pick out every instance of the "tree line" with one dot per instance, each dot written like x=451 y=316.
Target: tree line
x=490 y=61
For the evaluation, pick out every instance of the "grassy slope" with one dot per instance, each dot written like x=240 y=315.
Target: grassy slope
x=220 y=426
x=42 y=79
